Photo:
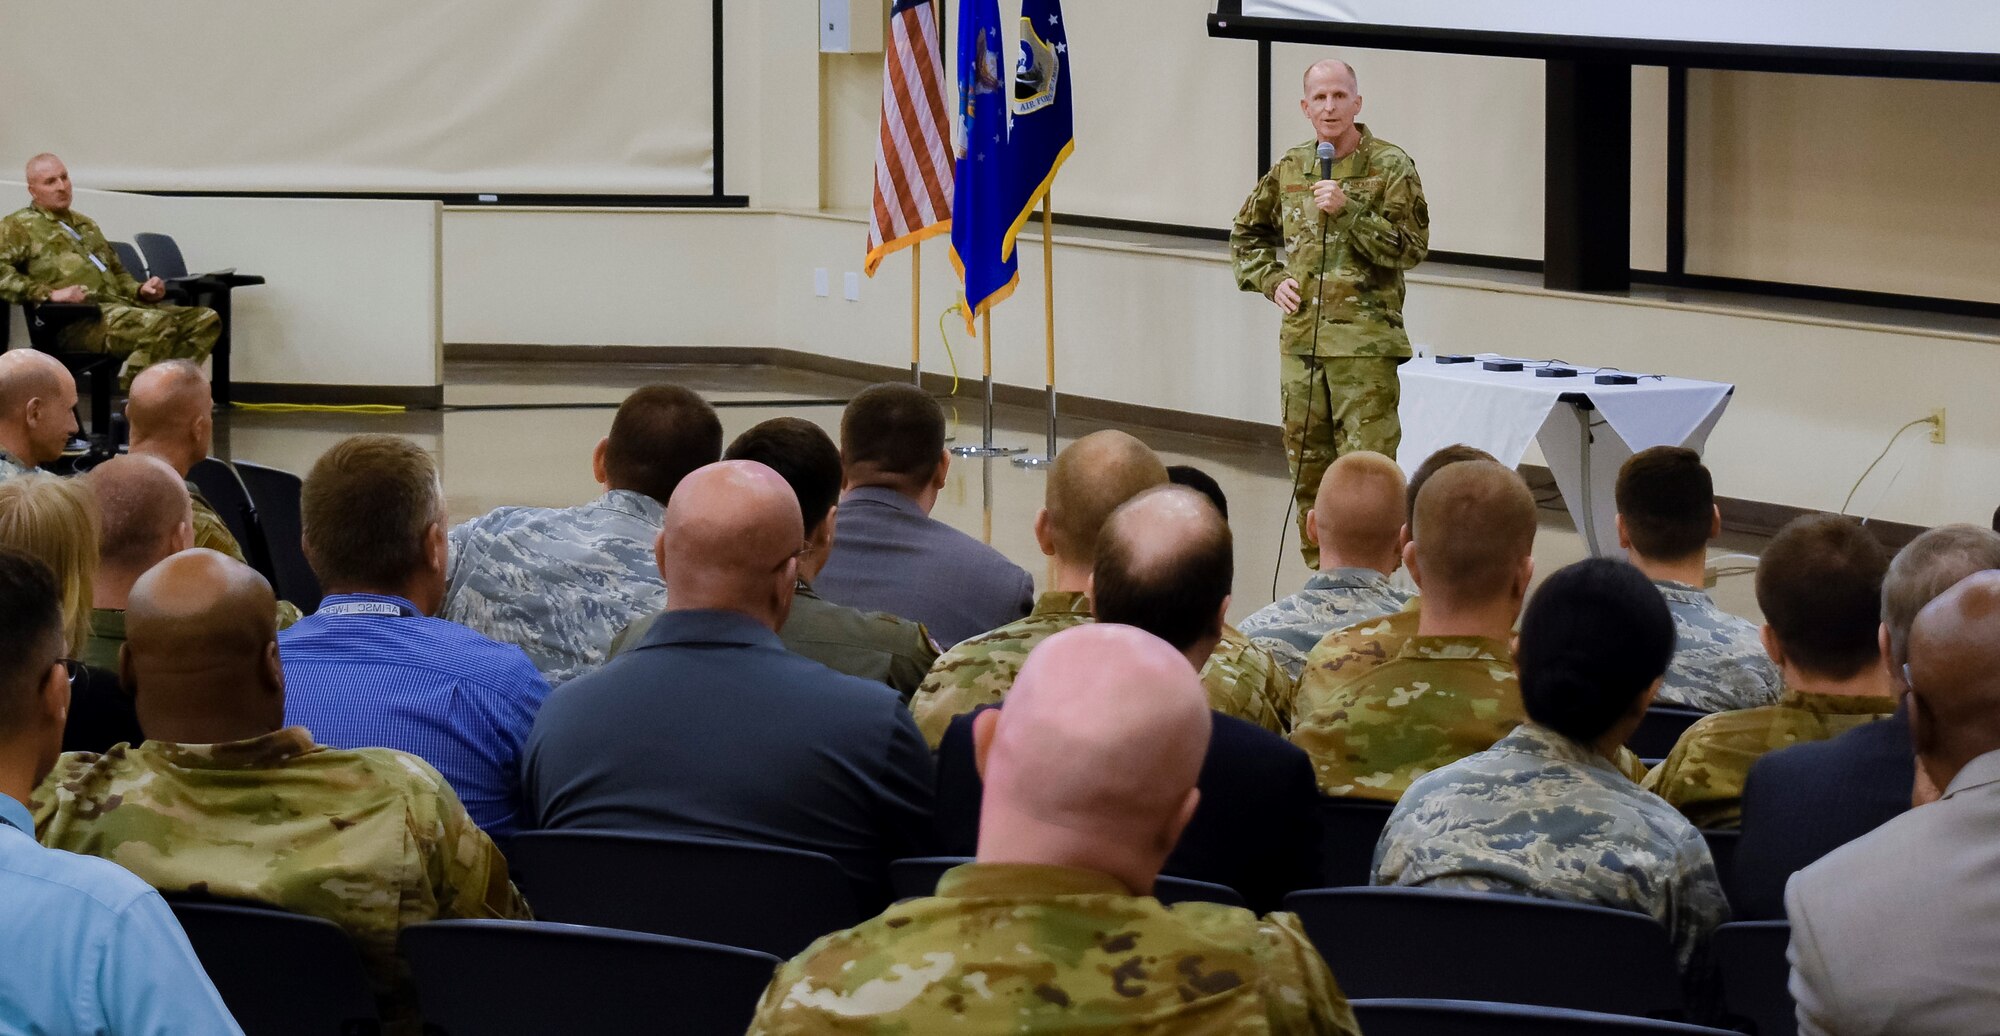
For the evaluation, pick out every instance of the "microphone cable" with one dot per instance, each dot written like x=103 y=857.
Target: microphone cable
x=1299 y=469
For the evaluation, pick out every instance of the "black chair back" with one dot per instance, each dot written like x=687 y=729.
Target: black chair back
x=129 y=257
x=224 y=491
x=281 y=974
x=578 y=979
x=163 y=255
x=1660 y=730
x=275 y=494
x=1750 y=957
x=1473 y=1018
x=1349 y=829
x=1383 y=942
x=755 y=896
x=918 y=876
x=1722 y=848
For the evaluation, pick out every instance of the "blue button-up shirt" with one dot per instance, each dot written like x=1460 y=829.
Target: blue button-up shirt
x=90 y=948
x=368 y=671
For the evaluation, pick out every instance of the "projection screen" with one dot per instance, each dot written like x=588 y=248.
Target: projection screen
x=1948 y=38
x=365 y=96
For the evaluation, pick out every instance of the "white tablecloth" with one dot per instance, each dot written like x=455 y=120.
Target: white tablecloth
x=1501 y=412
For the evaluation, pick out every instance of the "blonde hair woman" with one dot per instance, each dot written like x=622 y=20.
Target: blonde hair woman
x=55 y=519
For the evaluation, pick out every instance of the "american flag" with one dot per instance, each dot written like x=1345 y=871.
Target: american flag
x=913 y=156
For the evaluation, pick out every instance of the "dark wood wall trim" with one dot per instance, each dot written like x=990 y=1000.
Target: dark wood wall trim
x=416 y=397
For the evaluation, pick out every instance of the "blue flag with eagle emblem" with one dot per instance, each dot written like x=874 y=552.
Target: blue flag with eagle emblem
x=982 y=194
x=1042 y=132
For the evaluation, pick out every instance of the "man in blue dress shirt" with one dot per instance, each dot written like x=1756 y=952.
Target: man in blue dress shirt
x=90 y=947
x=372 y=668
x=709 y=728
x=889 y=554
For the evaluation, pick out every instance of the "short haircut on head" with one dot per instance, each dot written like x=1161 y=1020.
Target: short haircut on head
x=366 y=506
x=1927 y=566
x=1360 y=507
x=1201 y=482
x=661 y=433
x=803 y=455
x=171 y=390
x=55 y=520
x=141 y=502
x=892 y=434
x=1436 y=462
x=1667 y=499
x=1090 y=479
x=1593 y=638
x=31 y=612
x=1819 y=584
x=1170 y=582
x=1473 y=524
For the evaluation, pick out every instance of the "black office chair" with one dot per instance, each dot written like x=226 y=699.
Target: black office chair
x=163 y=260
x=1383 y=942
x=281 y=974
x=1750 y=958
x=129 y=257
x=1722 y=848
x=275 y=496
x=918 y=876
x=1349 y=829
x=755 y=896
x=1475 y=1018
x=1660 y=730
x=224 y=491
x=578 y=979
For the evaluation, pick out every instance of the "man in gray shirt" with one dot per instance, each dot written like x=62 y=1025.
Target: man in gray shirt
x=889 y=554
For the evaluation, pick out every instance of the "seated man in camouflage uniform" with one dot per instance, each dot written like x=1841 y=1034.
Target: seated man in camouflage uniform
x=1090 y=777
x=145 y=518
x=1353 y=649
x=51 y=253
x=1450 y=690
x=559 y=583
x=225 y=799
x=1666 y=516
x=1357 y=520
x=1547 y=811
x=1090 y=479
x=1819 y=584
x=37 y=411
x=871 y=645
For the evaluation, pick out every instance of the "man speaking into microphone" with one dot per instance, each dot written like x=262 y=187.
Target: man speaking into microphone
x=1326 y=236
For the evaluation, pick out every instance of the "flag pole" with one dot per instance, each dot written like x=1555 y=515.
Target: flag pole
x=1048 y=330
x=986 y=447
x=917 y=313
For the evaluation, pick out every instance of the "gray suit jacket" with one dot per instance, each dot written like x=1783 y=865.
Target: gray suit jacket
x=889 y=556
x=1898 y=932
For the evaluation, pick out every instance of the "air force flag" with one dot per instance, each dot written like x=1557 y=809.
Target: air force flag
x=983 y=196
x=1042 y=128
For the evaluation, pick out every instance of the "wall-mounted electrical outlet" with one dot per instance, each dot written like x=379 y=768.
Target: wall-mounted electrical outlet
x=1937 y=425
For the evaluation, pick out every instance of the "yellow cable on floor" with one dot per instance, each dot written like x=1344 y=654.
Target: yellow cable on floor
x=321 y=408
x=945 y=336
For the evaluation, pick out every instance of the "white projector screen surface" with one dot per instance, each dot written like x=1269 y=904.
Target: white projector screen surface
x=1932 y=26
x=439 y=97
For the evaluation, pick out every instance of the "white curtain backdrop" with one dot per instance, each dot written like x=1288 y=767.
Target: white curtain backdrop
x=576 y=96
x=1948 y=26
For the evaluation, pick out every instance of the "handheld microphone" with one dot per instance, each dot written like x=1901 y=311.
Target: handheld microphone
x=1325 y=160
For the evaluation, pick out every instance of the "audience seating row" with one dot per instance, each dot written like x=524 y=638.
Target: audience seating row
x=261 y=507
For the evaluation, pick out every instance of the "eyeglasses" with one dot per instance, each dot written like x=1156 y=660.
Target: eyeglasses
x=71 y=669
x=793 y=556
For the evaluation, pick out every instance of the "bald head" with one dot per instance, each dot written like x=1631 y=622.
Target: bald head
x=168 y=411
x=1473 y=530
x=1334 y=70
x=1090 y=479
x=1927 y=566
x=1164 y=565
x=37 y=405
x=1092 y=762
x=147 y=515
x=1358 y=516
x=730 y=541
x=201 y=654
x=1955 y=676
x=48 y=182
